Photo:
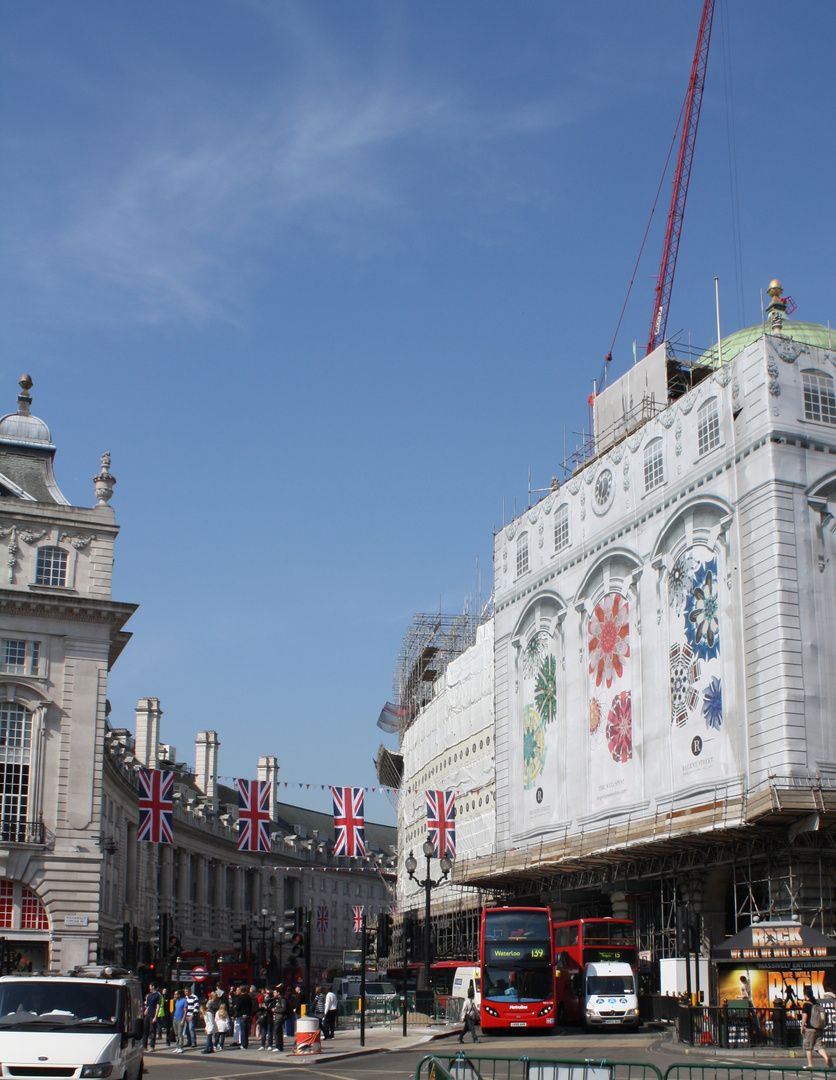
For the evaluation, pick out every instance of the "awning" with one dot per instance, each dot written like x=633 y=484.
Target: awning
x=783 y=946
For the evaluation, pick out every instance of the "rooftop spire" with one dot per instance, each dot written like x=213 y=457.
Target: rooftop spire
x=24 y=401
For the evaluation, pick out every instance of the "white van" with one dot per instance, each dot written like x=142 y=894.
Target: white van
x=610 y=993
x=461 y=981
x=87 y=1025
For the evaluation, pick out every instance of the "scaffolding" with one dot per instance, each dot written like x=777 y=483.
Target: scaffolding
x=428 y=646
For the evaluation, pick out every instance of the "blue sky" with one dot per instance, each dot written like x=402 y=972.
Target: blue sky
x=327 y=279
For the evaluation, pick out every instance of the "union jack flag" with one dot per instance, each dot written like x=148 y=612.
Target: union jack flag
x=155 y=806
x=253 y=815
x=349 y=821
x=441 y=822
x=358 y=919
x=321 y=919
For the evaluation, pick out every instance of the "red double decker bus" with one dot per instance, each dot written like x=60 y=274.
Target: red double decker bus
x=517 y=968
x=596 y=965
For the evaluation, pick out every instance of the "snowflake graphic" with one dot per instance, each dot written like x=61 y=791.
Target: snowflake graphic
x=609 y=639
x=545 y=690
x=685 y=672
x=702 y=615
x=534 y=653
x=681 y=580
x=620 y=728
x=712 y=705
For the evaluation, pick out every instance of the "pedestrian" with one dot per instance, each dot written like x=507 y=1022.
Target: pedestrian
x=192 y=1009
x=330 y=1025
x=264 y=1018
x=468 y=1016
x=178 y=1019
x=319 y=1007
x=244 y=1009
x=223 y=1024
x=813 y=1023
x=281 y=1017
x=210 y=1024
x=149 y=1018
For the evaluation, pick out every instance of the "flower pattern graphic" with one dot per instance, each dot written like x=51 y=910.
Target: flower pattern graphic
x=545 y=690
x=534 y=747
x=609 y=639
x=712 y=705
x=702 y=616
x=594 y=715
x=620 y=728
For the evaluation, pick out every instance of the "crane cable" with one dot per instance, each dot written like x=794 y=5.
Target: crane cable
x=647 y=230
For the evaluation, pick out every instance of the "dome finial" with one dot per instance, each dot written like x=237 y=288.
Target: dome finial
x=23 y=399
x=777 y=306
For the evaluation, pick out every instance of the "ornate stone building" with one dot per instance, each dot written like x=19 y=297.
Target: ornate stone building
x=75 y=884
x=664 y=683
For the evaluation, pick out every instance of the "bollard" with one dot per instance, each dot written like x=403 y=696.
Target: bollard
x=308 y=1036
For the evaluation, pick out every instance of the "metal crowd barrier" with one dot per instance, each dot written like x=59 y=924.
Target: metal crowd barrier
x=737 y=1026
x=464 y=1066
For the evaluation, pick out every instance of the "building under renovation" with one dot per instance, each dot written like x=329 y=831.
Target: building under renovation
x=658 y=725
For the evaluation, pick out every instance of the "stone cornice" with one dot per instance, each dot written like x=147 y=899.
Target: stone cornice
x=83 y=609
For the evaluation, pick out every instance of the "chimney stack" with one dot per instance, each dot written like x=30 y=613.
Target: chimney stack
x=147 y=740
x=268 y=769
x=206 y=762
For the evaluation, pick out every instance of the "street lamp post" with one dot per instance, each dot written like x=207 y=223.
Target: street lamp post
x=263 y=926
x=427 y=885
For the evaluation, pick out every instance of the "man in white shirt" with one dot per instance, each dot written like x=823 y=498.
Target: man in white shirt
x=330 y=1023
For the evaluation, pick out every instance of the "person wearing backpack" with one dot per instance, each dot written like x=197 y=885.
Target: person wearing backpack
x=813 y=1023
x=469 y=1014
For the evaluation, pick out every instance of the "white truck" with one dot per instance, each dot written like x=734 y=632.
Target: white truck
x=610 y=996
x=82 y=1025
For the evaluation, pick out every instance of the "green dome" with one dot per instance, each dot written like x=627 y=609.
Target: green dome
x=804 y=332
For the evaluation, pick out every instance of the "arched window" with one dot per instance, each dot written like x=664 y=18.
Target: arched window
x=819 y=398
x=708 y=427
x=15 y=752
x=561 y=528
x=522 y=555
x=654 y=465
x=14 y=895
x=52 y=567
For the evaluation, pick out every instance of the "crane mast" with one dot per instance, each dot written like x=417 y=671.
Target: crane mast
x=676 y=213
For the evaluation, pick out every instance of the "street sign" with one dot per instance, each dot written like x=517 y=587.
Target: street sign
x=199 y=973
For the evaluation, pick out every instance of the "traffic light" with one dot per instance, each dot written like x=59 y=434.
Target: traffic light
x=241 y=941
x=289 y=924
x=297 y=947
x=173 y=946
x=301 y=918
x=162 y=933
x=682 y=928
x=384 y=933
x=408 y=935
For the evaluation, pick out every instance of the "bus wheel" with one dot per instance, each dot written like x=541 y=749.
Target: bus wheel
x=561 y=1014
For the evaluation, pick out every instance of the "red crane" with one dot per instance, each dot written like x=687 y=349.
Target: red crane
x=680 y=184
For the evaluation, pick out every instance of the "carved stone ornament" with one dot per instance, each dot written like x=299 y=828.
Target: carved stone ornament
x=616 y=454
x=574 y=485
x=678 y=434
x=533 y=514
x=687 y=403
x=540 y=531
x=735 y=394
x=583 y=506
x=588 y=476
x=15 y=533
x=104 y=481
x=634 y=441
x=787 y=349
x=548 y=503
x=78 y=542
x=774 y=387
x=511 y=530
x=723 y=375
x=667 y=418
x=626 y=471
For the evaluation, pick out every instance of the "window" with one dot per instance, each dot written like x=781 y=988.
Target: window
x=52 y=567
x=561 y=528
x=522 y=555
x=15 y=738
x=708 y=427
x=819 y=398
x=32 y=913
x=654 y=465
x=20 y=657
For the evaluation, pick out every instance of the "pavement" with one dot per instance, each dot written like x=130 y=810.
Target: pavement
x=345 y=1044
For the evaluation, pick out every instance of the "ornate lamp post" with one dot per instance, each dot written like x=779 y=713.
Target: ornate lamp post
x=427 y=885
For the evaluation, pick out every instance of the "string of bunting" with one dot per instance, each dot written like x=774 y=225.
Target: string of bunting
x=302 y=786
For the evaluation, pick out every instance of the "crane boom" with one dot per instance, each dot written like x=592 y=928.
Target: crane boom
x=693 y=102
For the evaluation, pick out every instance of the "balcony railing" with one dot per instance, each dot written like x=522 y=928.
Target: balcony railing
x=22 y=832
